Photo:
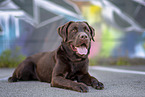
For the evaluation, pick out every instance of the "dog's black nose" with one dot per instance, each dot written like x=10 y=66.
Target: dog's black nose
x=83 y=36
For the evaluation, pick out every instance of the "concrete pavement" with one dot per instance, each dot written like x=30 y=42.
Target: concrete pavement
x=117 y=84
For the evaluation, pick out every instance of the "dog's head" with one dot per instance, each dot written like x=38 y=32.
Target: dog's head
x=78 y=36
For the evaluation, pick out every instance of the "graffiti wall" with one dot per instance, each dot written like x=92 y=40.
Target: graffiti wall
x=119 y=32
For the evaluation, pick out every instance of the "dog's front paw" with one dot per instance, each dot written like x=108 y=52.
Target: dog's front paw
x=98 y=85
x=81 y=87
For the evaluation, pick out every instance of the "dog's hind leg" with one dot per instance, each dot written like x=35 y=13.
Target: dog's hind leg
x=24 y=72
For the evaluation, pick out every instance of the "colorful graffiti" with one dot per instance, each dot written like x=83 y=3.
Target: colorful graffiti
x=111 y=39
x=119 y=33
x=9 y=29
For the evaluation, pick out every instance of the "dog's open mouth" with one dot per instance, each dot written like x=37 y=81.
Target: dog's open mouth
x=81 y=49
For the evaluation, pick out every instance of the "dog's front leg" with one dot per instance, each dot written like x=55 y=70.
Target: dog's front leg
x=59 y=80
x=91 y=81
x=68 y=84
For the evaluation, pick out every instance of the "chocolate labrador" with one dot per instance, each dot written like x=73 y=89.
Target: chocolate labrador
x=67 y=66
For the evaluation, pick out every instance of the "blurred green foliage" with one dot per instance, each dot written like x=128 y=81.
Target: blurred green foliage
x=119 y=61
x=92 y=61
x=10 y=58
x=122 y=61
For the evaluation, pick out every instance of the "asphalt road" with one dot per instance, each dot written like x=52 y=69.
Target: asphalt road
x=117 y=84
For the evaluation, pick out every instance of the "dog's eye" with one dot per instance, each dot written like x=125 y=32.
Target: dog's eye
x=86 y=30
x=74 y=30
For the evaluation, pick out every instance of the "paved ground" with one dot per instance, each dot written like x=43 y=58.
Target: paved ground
x=117 y=84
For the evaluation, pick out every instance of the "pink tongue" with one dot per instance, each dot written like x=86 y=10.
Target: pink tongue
x=82 y=50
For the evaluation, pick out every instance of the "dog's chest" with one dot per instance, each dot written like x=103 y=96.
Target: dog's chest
x=74 y=71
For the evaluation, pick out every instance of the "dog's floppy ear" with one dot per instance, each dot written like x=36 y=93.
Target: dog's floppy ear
x=92 y=31
x=63 y=31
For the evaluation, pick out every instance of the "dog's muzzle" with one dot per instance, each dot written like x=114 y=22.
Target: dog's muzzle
x=81 y=44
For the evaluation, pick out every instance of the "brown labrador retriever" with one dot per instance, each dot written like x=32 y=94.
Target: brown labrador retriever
x=65 y=65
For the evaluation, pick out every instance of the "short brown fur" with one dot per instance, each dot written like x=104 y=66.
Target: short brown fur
x=62 y=66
